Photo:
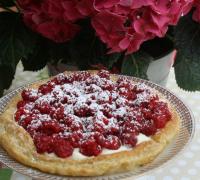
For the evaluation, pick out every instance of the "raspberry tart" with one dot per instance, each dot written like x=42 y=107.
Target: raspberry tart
x=87 y=124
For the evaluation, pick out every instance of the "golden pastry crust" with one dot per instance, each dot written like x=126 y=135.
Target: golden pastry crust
x=19 y=144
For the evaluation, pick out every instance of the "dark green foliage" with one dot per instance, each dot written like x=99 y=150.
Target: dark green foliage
x=16 y=42
x=187 y=66
x=7 y=3
x=136 y=64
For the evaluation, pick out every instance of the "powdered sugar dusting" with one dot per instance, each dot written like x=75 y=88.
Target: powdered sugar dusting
x=88 y=105
x=146 y=94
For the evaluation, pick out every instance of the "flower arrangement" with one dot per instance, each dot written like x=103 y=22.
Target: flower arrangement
x=98 y=33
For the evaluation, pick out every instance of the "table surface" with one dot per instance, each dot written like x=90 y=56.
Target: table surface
x=185 y=167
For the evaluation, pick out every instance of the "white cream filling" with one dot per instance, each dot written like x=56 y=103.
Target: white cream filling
x=122 y=148
x=78 y=156
x=142 y=138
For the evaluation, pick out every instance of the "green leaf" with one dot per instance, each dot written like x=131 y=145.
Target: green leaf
x=5 y=174
x=38 y=58
x=7 y=3
x=87 y=49
x=136 y=65
x=16 y=42
x=187 y=65
x=83 y=48
x=57 y=52
x=112 y=59
x=6 y=77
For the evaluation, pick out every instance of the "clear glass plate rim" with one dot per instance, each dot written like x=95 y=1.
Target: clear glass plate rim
x=151 y=84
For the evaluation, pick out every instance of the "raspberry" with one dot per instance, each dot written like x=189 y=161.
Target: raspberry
x=25 y=122
x=90 y=147
x=107 y=111
x=106 y=121
x=125 y=89
x=103 y=101
x=93 y=97
x=100 y=139
x=43 y=143
x=62 y=148
x=162 y=108
x=160 y=120
x=111 y=142
x=104 y=74
x=129 y=95
x=83 y=111
x=168 y=114
x=129 y=127
x=57 y=105
x=108 y=86
x=44 y=108
x=161 y=115
x=148 y=127
x=50 y=127
x=64 y=100
x=45 y=88
x=25 y=94
x=58 y=114
x=68 y=120
x=137 y=90
x=92 y=88
x=98 y=127
x=147 y=113
x=88 y=102
x=21 y=104
x=114 y=130
x=124 y=83
x=75 y=138
x=19 y=113
x=76 y=126
x=61 y=79
x=92 y=80
x=152 y=104
x=81 y=76
x=28 y=95
x=129 y=139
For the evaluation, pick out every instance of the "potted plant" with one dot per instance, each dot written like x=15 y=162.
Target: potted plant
x=122 y=36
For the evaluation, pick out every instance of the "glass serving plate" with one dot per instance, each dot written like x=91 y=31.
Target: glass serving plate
x=173 y=150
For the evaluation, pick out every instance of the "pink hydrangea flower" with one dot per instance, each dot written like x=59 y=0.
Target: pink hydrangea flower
x=123 y=25
x=54 y=20
x=196 y=15
x=85 y=7
x=137 y=22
